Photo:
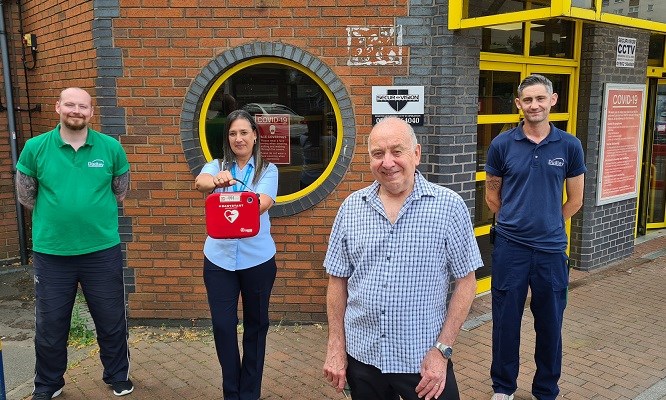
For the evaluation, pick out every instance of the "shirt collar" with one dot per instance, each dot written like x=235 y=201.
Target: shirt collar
x=554 y=135
x=421 y=189
x=249 y=162
x=61 y=143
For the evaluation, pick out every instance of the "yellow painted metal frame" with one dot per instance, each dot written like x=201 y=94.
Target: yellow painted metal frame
x=275 y=60
x=527 y=65
x=557 y=9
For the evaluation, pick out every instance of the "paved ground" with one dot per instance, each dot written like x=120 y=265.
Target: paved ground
x=614 y=335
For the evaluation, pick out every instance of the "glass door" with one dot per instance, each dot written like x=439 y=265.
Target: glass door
x=652 y=208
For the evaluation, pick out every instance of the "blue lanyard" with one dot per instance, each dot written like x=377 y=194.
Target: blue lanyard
x=237 y=186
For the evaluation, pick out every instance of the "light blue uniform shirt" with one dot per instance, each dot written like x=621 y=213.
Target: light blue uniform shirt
x=399 y=273
x=237 y=254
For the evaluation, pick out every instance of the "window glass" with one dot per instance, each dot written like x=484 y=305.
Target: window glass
x=552 y=38
x=506 y=39
x=645 y=10
x=561 y=125
x=589 y=4
x=497 y=91
x=481 y=8
x=297 y=124
x=656 y=50
x=482 y=214
x=485 y=134
x=561 y=87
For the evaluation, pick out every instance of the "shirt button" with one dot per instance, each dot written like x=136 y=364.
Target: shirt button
x=383 y=335
x=388 y=258
x=536 y=156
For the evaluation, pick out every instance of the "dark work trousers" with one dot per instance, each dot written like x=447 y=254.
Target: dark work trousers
x=515 y=268
x=57 y=278
x=367 y=382
x=240 y=380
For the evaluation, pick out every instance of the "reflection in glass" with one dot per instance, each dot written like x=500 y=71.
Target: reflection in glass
x=279 y=89
x=561 y=87
x=482 y=214
x=657 y=188
x=656 y=50
x=552 y=38
x=481 y=8
x=589 y=4
x=646 y=10
x=560 y=125
x=485 y=134
x=497 y=91
x=505 y=39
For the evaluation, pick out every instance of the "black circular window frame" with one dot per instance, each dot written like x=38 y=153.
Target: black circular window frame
x=189 y=121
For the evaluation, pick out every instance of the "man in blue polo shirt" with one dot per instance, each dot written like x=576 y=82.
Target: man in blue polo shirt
x=526 y=171
x=73 y=178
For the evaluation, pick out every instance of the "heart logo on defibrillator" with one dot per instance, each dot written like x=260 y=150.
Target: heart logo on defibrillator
x=231 y=215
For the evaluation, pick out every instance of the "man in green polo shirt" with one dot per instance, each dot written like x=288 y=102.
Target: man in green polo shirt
x=73 y=178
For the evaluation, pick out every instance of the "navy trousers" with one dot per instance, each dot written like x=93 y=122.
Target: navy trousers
x=515 y=268
x=57 y=278
x=367 y=382
x=240 y=380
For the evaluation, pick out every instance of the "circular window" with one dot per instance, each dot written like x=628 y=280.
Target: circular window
x=299 y=115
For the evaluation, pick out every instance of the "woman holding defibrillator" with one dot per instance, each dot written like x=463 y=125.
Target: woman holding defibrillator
x=240 y=266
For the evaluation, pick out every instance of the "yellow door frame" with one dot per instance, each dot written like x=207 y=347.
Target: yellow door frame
x=527 y=65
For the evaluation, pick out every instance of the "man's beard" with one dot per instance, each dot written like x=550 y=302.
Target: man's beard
x=74 y=126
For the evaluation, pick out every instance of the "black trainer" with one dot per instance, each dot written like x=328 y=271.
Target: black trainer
x=122 y=388
x=46 y=395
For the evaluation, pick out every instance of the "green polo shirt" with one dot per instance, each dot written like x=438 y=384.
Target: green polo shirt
x=75 y=211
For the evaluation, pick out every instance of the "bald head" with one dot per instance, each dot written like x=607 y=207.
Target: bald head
x=75 y=92
x=396 y=126
x=75 y=109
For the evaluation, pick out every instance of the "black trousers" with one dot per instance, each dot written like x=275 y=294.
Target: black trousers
x=241 y=380
x=57 y=278
x=367 y=382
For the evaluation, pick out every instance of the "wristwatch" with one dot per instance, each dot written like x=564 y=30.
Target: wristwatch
x=447 y=351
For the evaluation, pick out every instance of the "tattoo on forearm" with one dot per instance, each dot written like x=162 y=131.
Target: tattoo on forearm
x=119 y=185
x=26 y=189
x=493 y=183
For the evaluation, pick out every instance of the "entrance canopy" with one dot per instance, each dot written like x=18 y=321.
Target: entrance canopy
x=642 y=14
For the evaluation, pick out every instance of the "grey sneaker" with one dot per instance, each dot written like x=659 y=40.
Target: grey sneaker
x=502 y=396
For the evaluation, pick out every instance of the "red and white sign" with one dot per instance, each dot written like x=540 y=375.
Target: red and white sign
x=274 y=137
x=620 y=146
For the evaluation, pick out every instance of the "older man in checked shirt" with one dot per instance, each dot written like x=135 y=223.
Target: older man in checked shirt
x=392 y=249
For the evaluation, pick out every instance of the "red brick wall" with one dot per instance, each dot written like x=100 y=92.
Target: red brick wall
x=164 y=48
x=65 y=57
x=161 y=57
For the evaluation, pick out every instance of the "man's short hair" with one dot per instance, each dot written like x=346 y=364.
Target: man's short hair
x=535 y=79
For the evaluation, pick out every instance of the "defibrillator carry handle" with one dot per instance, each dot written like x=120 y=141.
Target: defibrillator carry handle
x=224 y=166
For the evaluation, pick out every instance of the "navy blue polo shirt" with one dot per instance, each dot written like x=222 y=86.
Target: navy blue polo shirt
x=532 y=185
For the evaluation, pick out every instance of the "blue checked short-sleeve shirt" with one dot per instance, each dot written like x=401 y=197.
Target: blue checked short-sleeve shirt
x=398 y=274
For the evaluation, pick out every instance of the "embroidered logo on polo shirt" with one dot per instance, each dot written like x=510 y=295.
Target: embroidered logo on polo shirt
x=557 y=162
x=96 y=164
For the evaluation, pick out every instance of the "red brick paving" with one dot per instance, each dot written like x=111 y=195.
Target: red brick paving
x=614 y=334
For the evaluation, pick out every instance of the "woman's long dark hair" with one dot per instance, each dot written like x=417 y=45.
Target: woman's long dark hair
x=227 y=153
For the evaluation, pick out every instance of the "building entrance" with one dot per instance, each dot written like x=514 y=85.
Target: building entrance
x=652 y=202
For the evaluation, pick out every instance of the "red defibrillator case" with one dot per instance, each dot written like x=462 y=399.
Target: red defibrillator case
x=232 y=215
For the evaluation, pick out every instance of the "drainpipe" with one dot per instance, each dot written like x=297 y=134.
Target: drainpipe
x=12 y=132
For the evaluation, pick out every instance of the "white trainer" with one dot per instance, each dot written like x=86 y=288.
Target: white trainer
x=502 y=396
